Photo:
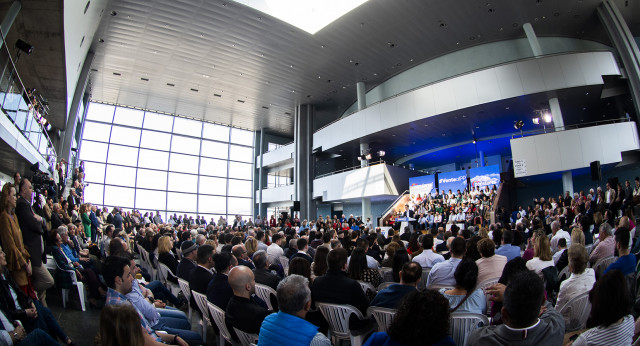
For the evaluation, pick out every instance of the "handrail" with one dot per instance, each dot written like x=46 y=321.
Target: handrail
x=569 y=127
x=350 y=169
x=15 y=78
x=455 y=76
x=386 y=211
x=279 y=146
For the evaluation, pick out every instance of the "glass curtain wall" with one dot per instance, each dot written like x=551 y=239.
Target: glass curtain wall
x=155 y=162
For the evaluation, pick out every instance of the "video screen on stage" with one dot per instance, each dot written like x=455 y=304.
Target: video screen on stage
x=453 y=181
x=421 y=185
x=485 y=176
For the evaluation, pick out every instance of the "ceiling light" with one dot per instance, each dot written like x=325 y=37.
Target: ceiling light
x=547 y=118
x=474 y=141
x=536 y=121
x=381 y=153
x=310 y=15
x=359 y=158
x=368 y=156
x=518 y=124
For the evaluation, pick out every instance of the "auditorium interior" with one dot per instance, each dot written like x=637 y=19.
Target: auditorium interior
x=246 y=109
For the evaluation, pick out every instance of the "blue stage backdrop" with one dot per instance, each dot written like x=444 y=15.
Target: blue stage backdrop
x=485 y=176
x=422 y=185
x=452 y=181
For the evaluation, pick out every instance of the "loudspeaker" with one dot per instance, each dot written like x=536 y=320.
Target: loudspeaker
x=596 y=173
x=296 y=205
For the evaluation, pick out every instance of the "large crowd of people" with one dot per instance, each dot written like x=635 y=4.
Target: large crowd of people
x=430 y=271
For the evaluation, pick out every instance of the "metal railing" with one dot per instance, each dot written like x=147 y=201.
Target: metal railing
x=17 y=104
x=569 y=127
x=350 y=169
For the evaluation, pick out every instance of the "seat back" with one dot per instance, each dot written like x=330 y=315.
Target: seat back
x=576 y=312
x=219 y=319
x=163 y=273
x=602 y=264
x=564 y=274
x=423 y=280
x=338 y=318
x=589 y=248
x=284 y=262
x=383 y=316
x=246 y=339
x=367 y=287
x=439 y=287
x=385 y=285
x=184 y=286
x=201 y=301
x=484 y=285
x=462 y=324
x=387 y=274
x=265 y=292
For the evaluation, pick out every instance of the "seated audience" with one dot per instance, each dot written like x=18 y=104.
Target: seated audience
x=464 y=297
x=301 y=267
x=524 y=324
x=319 y=265
x=245 y=311
x=166 y=257
x=364 y=245
x=389 y=252
x=490 y=265
x=542 y=254
x=422 y=319
x=399 y=259
x=558 y=233
x=262 y=273
x=288 y=326
x=117 y=275
x=120 y=325
x=610 y=312
x=302 y=247
x=391 y=296
x=562 y=248
x=581 y=279
x=442 y=273
x=626 y=262
x=240 y=252
x=336 y=288
x=360 y=271
x=218 y=291
x=188 y=263
x=605 y=246
x=428 y=258
x=507 y=249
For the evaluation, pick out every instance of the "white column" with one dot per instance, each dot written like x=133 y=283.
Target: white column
x=362 y=99
x=556 y=114
x=533 y=39
x=567 y=182
x=366 y=210
x=364 y=150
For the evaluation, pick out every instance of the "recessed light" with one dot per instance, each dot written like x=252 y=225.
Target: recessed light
x=113 y=13
x=171 y=84
x=426 y=125
x=101 y=40
x=587 y=93
x=205 y=76
x=393 y=135
x=444 y=134
x=144 y=79
x=287 y=113
x=194 y=90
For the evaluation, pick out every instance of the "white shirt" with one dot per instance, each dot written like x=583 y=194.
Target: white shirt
x=274 y=250
x=560 y=234
x=427 y=259
x=371 y=262
x=575 y=285
x=537 y=265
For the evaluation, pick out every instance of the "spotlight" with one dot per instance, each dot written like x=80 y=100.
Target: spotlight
x=359 y=158
x=518 y=125
x=381 y=153
x=24 y=46
x=474 y=141
x=368 y=156
x=536 y=121
x=547 y=118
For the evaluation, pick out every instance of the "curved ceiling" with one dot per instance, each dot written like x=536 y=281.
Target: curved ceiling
x=224 y=62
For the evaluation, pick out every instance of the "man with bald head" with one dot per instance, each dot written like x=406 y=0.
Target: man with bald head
x=245 y=311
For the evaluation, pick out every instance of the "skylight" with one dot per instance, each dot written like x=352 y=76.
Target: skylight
x=308 y=15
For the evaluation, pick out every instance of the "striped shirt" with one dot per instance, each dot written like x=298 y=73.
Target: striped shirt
x=615 y=334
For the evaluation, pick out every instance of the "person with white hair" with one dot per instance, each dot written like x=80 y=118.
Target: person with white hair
x=557 y=233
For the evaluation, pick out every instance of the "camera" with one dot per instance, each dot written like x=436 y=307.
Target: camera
x=41 y=181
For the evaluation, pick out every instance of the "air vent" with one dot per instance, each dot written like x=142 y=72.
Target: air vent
x=194 y=90
x=265 y=107
x=117 y=74
x=217 y=95
x=287 y=113
x=171 y=84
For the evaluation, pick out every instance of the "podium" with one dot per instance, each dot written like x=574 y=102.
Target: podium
x=404 y=222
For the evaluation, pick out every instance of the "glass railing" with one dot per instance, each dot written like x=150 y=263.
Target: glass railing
x=19 y=105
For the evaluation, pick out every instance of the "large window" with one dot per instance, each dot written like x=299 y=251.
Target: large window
x=155 y=162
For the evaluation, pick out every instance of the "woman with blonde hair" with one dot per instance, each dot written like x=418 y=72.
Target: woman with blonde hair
x=18 y=258
x=120 y=325
x=483 y=232
x=166 y=257
x=252 y=246
x=542 y=255
x=577 y=236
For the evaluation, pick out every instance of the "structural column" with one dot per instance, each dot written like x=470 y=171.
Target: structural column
x=261 y=172
x=533 y=39
x=556 y=114
x=481 y=158
x=567 y=182
x=303 y=165
x=74 y=108
x=625 y=44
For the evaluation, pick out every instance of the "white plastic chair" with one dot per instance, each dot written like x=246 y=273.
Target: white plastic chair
x=589 y=248
x=264 y=292
x=423 y=279
x=338 y=318
x=602 y=264
x=285 y=265
x=366 y=287
x=387 y=274
x=439 y=287
x=565 y=272
x=462 y=324
x=219 y=319
x=74 y=281
x=163 y=275
x=383 y=316
x=246 y=339
x=576 y=312
x=201 y=301
x=186 y=291
x=484 y=285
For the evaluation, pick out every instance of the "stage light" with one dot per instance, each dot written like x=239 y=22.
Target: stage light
x=474 y=141
x=518 y=125
x=547 y=118
x=359 y=158
x=24 y=46
x=368 y=156
x=536 y=121
x=381 y=153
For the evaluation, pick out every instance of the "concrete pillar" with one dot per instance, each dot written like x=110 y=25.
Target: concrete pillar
x=364 y=150
x=260 y=171
x=412 y=166
x=533 y=39
x=481 y=160
x=72 y=117
x=366 y=210
x=556 y=114
x=567 y=182
x=303 y=165
x=8 y=19
x=362 y=99
x=625 y=44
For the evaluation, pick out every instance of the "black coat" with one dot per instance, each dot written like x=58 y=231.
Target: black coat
x=219 y=292
x=32 y=232
x=336 y=288
x=246 y=314
x=184 y=269
x=199 y=279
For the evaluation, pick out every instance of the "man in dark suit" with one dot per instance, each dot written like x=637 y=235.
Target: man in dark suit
x=117 y=219
x=262 y=273
x=245 y=311
x=56 y=220
x=241 y=255
x=219 y=292
x=200 y=277
x=188 y=262
x=336 y=288
x=31 y=225
x=407 y=234
x=303 y=246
